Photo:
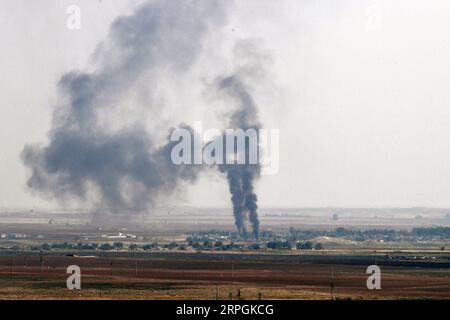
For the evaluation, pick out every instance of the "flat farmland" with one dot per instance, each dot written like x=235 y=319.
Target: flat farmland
x=208 y=276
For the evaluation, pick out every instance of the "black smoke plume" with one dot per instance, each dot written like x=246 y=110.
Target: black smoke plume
x=241 y=176
x=123 y=168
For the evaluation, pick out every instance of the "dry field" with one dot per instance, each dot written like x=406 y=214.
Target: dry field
x=24 y=277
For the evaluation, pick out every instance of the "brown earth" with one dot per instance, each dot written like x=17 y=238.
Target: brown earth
x=24 y=277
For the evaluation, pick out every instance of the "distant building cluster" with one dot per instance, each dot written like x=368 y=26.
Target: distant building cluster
x=293 y=239
x=13 y=236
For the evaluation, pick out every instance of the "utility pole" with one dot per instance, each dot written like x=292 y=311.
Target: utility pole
x=332 y=285
x=41 y=260
x=238 y=295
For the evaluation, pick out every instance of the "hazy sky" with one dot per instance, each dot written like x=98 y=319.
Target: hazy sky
x=359 y=88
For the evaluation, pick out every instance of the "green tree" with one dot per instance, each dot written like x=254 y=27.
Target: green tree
x=173 y=245
x=318 y=246
x=106 y=246
x=118 y=245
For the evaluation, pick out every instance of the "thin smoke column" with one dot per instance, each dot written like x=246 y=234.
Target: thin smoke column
x=123 y=168
x=241 y=176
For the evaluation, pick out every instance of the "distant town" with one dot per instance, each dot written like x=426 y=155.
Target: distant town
x=294 y=239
